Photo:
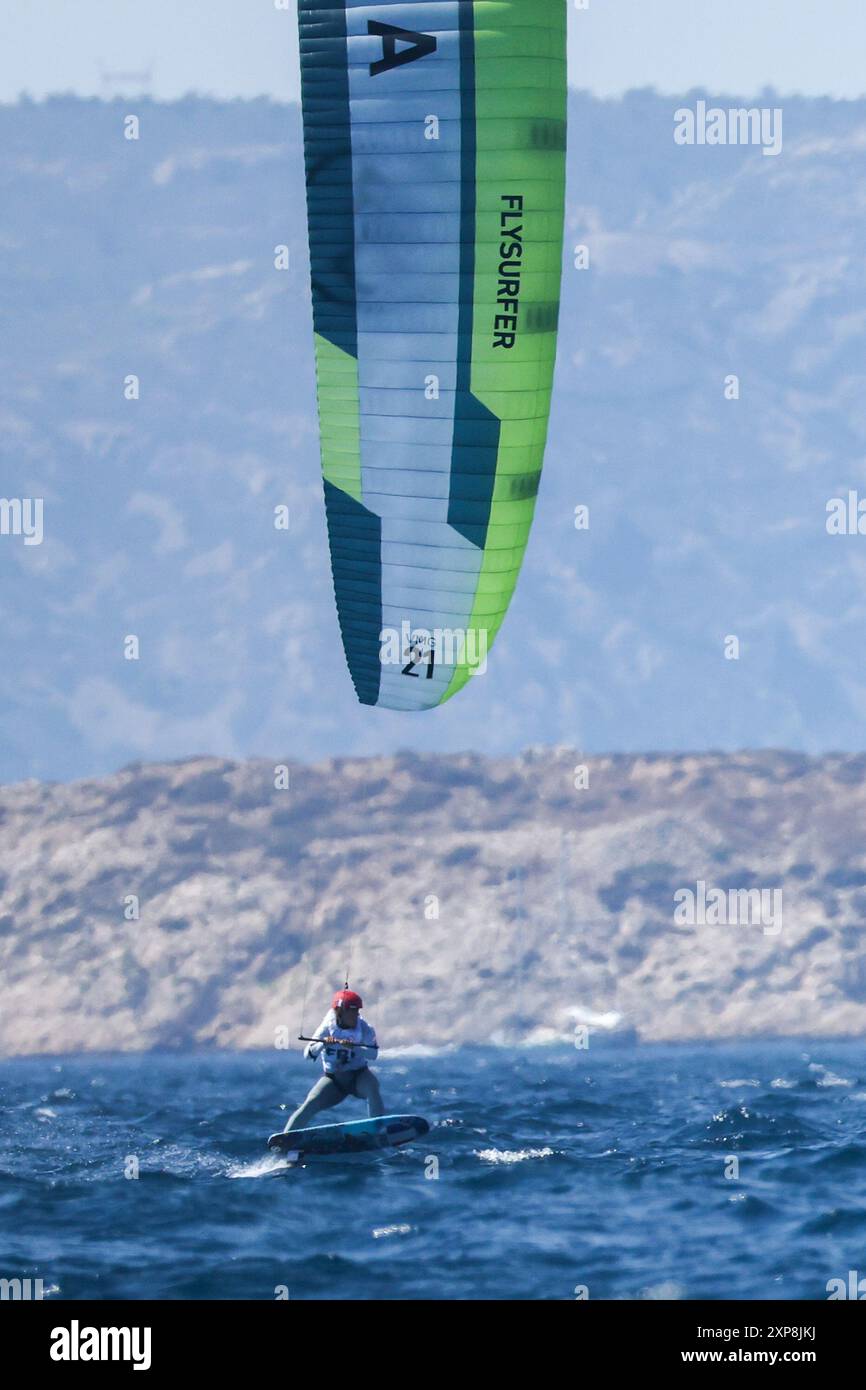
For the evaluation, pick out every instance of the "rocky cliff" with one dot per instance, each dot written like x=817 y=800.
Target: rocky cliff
x=205 y=903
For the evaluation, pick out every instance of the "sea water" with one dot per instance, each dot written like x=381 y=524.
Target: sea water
x=617 y=1172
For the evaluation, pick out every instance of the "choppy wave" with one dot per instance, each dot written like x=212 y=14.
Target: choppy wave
x=628 y=1172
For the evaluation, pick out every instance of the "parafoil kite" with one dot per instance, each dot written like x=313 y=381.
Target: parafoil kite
x=434 y=142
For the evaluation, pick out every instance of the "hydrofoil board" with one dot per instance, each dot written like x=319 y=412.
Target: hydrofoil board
x=352 y=1137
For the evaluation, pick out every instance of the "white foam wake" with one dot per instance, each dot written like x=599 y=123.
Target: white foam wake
x=512 y=1155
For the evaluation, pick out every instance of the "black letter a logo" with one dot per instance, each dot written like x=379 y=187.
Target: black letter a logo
x=422 y=44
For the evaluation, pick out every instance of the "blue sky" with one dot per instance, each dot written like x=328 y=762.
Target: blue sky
x=248 y=48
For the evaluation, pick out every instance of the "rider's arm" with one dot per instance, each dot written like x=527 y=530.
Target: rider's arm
x=313 y=1049
x=369 y=1037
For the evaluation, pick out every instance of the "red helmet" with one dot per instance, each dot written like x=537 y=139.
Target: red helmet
x=347 y=999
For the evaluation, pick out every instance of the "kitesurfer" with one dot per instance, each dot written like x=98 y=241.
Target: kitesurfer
x=346 y=1043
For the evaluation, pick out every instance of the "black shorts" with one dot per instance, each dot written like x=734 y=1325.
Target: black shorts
x=347 y=1081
